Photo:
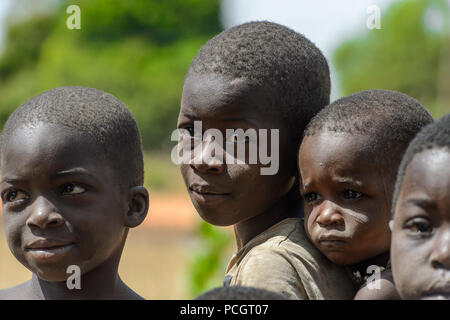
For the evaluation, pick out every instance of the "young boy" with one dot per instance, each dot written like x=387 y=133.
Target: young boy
x=420 y=250
x=72 y=175
x=348 y=161
x=258 y=76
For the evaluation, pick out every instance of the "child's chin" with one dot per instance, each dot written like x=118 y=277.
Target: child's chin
x=335 y=255
x=220 y=221
x=338 y=258
x=218 y=217
x=57 y=272
x=52 y=275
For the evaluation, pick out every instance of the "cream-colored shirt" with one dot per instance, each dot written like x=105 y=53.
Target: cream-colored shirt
x=284 y=260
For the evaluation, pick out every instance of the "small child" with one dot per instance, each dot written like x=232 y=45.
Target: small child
x=348 y=162
x=72 y=175
x=259 y=77
x=420 y=251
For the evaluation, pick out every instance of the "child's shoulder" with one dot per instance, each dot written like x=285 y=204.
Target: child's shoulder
x=289 y=237
x=269 y=248
x=281 y=256
x=289 y=240
x=290 y=228
x=19 y=292
x=285 y=236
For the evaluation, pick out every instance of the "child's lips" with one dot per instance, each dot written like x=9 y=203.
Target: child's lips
x=331 y=241
x=438 y=292
x=208 y=195
x=437 y=296
x=49 y=250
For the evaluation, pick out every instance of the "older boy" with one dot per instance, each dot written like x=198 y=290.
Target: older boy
x=72 y=174
x=260 y=76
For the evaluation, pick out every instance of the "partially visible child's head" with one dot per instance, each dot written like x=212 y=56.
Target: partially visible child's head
x=258 y=75
x=240 y=293
x=72 y=175
x=420 y=251
x=348 y=162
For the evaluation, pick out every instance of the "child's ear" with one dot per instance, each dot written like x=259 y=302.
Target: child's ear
x=138 y=200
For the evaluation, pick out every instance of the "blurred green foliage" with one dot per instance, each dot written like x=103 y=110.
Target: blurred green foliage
x=404 y=55
x=137 y=50
x=207 y=267
x=161 y=174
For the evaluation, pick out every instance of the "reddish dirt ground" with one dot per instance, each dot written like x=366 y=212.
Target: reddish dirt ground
x=173 y=211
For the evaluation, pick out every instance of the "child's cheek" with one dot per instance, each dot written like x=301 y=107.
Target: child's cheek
x=309 y=223
x=237 y=171
x=13 y=224
x=245 y=177
x=14 y=238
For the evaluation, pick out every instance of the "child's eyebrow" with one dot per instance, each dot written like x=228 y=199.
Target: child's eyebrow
x=73 y=172
x=238 y=120
x=12 y=180
x=347 y=180
x=227 y=119
x=70 y=172
x=305 y=185
x=190 y=116
x=423 y=203
x=230 y=119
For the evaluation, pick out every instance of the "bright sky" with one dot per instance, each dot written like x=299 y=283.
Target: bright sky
x=4 y=5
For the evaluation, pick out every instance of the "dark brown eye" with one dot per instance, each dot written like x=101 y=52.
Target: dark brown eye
x=186 y=137
x=352 y=194
x=420 y=226
x=72 y=188
x=190 y=130
x=10 y=196
x=14 y=195
x=311 y=197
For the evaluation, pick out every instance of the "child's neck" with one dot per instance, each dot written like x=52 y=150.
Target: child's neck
x=379 y=260
x=102 y=283
x=361 y=268
x=287 y=207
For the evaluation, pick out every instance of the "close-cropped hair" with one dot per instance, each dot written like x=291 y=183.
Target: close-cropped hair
x=91 y=112
x=390 y=119
x=433 y=136
x=290 y=70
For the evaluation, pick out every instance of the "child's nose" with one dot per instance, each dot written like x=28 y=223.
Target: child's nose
x=208 y=159
x=208 y=167
x=43 y=215
x=440 y=256
x=329 y=214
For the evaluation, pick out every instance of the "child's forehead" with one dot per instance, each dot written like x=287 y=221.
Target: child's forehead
x=426 y=185
x=428 y=170
x=216 y=89
x=338 y=155
x=213 y=96
x=46 y=142
x=45 y=155
x=336 y=146
x=43 y=133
